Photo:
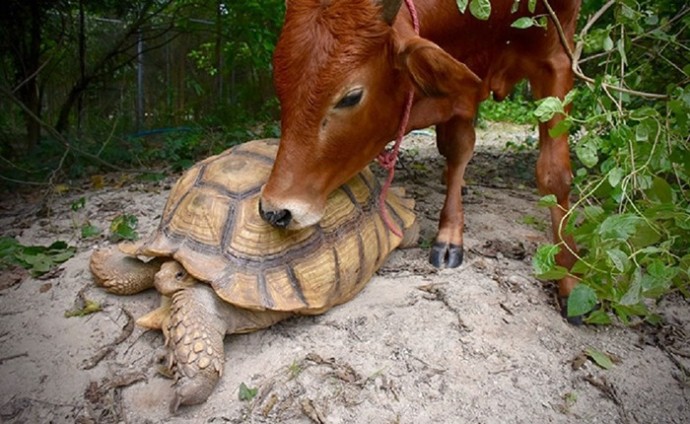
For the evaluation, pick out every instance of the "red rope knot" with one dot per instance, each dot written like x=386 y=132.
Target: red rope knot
x=387 y=159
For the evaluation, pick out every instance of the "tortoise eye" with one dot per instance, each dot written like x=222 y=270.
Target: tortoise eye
x=180 y=275
x=350 y=99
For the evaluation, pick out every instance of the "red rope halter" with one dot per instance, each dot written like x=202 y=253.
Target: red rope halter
x=388 y=159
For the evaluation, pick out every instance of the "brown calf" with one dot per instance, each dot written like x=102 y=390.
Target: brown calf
x=343 y=69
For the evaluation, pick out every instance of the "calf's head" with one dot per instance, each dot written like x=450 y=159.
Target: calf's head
x=342 y=73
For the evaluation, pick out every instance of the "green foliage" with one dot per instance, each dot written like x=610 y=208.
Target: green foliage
x=600 y=358
x=516 y=108
x=124 y=227
x=544 y=263
x=480 y=9
x=632 y=219
x=247 y=393
x=89 y=231
x=206 y=65
x=37 y=259
x=86 y=229
x=529 y=21
x=89 y=307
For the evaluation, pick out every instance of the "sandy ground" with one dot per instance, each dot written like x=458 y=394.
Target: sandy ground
x=483 y=343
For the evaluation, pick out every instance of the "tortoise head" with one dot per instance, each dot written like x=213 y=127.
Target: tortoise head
x=172 y=277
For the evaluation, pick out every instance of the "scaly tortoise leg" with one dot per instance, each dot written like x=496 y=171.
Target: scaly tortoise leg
x=199 y=320
x=196 y=331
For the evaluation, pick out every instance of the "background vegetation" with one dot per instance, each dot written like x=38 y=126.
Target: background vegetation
x=92 y=86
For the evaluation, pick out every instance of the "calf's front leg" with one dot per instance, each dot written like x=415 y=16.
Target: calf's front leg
x=455 y=140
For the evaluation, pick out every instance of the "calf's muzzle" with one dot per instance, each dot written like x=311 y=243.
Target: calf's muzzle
x=280 y=218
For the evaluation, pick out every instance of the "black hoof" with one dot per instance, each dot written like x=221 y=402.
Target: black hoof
x=576 y=320
x=446 y=255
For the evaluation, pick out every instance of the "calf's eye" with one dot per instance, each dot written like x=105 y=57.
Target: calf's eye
x=350 y=99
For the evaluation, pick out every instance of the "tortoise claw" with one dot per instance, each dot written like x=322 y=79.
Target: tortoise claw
x=446 y=255
x=192 y=391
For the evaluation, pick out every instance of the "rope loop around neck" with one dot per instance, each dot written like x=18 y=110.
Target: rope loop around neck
x=388 y=159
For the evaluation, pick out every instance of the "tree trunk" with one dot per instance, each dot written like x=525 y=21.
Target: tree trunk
x=29 y=93
x=63 y=124
x=82 y=60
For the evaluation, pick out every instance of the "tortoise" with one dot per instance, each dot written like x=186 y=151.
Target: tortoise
x=221 y=269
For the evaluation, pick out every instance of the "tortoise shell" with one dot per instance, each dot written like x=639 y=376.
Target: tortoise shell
x=212 y=226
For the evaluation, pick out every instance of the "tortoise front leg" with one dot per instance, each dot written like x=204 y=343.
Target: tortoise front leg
x=196 y=331
x=199 y=320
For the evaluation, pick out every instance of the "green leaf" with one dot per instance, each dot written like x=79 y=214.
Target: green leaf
x=247 y=393
x=641 y=133
x=593 y=212
x=560 y=128
x=548 y=201
x=615 y=176
x=660 y=191
x=88 y=230
x=598 y=317
x=545 y=257
x=599 y=357
x=480 y=9
x=569 y=97
x=532 y=5
x=658 y=279
x=58 y=245
x=37 y=264
x=63 y=255
x=633 y=295
x=580 y=267
x=619 y=259
x=587 y=153
x=608 y=44
x=643 y=113
x=524 y=22
x=621 y=51
x=547 y=108
x=581 y=300
x=556 y=273
x=462 y=5
x=619 y=227
x=544 y=263
x=8 y=248
x=78 y=204
x=123 y=227
x=645 y=235
x=40 y=259
x=90 y=307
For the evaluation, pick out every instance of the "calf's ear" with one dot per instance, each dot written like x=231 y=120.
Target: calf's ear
x=434 y=72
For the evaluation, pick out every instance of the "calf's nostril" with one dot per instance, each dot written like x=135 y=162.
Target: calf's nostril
x=280 y=218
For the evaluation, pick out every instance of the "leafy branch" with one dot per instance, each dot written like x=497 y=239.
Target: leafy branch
x=574 y=57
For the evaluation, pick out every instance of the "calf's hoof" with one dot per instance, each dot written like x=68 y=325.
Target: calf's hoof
x=446 y=255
